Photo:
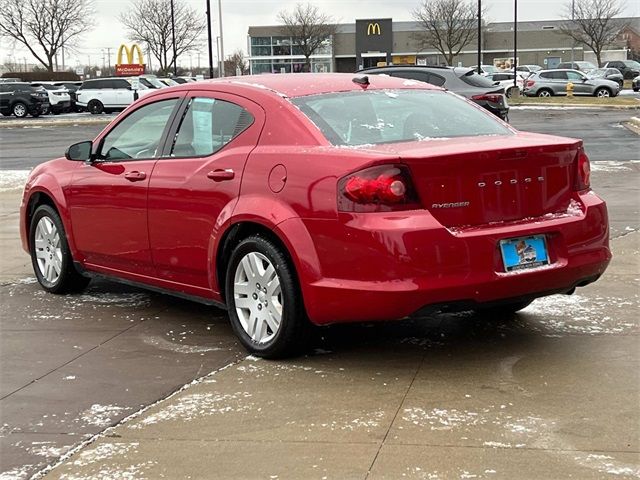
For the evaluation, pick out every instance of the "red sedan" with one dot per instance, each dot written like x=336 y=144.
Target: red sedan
x=312 y=199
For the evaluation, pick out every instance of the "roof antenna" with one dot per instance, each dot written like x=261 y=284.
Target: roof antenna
x=362 y=81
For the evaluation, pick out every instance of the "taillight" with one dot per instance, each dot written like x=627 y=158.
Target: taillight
x=583 y=173
x=529 y=83
x=489 y=97
x=383 y=188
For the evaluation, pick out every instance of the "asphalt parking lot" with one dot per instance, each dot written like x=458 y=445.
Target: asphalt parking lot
x=550 y=393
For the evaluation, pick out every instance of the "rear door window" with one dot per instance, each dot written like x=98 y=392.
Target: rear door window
x=208 y=124
x=411 y=75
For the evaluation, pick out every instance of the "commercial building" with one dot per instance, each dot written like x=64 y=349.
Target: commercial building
x=370 y=42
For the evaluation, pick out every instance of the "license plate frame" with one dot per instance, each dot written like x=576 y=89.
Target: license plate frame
x=524 y=253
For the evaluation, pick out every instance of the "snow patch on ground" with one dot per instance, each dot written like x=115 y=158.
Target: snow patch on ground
x=197 y=405
x=19 y=473
x=13 y=179
x=442 y=418
x=101 y=415
x=122 y=300
x=577 y=314
x=47 y=450
x=612 y=166
x=165 y=344
x=104 y=451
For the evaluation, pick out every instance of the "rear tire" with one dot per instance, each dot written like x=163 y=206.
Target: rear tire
x=50 y=255
x=95 y=107
x=264 y=300
x=545 y=92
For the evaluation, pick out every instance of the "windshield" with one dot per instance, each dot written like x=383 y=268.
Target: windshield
x=631 y=63
x=391 y=116
x=587 y=65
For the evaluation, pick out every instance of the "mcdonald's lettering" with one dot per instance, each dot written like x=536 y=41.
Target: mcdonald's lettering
x=129 y=68
x=373 y=28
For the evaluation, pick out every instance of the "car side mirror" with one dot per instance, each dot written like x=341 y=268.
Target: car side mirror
x=79 y=152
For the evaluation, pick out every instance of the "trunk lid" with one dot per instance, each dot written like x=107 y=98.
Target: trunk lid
x=480 y=180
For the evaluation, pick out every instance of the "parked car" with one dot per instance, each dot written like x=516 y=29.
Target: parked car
x=168 y=82
x=59 y=98
x=635 y=84
x=628 y=68
x=526 y=70
x=21 y=99
x=460 y=80
x=151 y=81
x=585 y=67
x=183 y=80
x=107 y=94
x=486 y=69
x=505 y=80
x=315 y=199
x=72 y=88
x=547 y=83
x=612 y=74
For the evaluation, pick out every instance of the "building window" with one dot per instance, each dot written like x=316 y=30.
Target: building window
x=261 y=51
x=260 y=40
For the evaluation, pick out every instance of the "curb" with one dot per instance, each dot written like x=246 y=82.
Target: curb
x=55 y=123
x=573 y=106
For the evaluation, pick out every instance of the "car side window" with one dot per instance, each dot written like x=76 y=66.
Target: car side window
x=138 y=135
x=419 y=76
x=574 y=76
x=207 y=125
x=436 y=80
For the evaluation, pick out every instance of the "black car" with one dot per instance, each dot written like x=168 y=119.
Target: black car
x=460 y=80
x=612 y=74
x=628 y=68
x=21 y=99
x=635 y=84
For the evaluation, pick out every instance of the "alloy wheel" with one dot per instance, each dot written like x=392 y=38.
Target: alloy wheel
x=602 y=93
x=19 y=110
x=48 y=250
x=258 y=297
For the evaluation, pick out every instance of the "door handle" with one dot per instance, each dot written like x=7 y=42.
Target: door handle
x=135 y=176
x=220 y=175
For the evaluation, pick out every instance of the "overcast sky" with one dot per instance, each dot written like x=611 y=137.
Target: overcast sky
x=238 y=15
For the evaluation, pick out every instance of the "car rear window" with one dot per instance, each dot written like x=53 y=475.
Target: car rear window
x=472 y=78
x=391 y=116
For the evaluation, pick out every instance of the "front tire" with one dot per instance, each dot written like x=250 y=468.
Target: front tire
x=50 y=254
x=20 y=110
x=602 y=93
x=264 y=300
x=95 y=107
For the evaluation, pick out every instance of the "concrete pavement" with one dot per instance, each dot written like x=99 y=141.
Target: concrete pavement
x=551 y=393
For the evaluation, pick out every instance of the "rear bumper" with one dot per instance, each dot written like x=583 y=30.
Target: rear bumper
x=404 y=263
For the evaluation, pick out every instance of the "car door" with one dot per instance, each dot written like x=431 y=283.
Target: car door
x=197 y=179
x=107 y=200
x=123 y=93
x=582 y=85
x=5 y=96
x=558 y=81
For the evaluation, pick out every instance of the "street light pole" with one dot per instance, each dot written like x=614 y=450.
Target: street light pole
x=480 y=36
x=515 y=43
x=209 y=41
x=221 y=41
x=573 y=18
x=173 y=40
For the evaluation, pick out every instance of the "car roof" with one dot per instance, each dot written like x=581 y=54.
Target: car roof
x=303 y=84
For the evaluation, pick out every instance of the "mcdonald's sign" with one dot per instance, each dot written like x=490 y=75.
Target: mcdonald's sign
x=130 y=68
x=373 y=28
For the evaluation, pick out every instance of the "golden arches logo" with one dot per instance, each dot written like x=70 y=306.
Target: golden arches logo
x=373 y=28
x=129 y=52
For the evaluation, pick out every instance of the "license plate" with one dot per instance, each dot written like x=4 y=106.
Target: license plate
x=524 y=253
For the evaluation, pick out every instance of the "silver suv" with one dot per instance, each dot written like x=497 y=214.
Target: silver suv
x=547 y=83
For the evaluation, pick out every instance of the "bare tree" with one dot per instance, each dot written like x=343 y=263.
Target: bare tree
x=447 y=25
x=149 y=23
x=593 y=23
x=45 y=27
x=235 y=63
x=308 y=28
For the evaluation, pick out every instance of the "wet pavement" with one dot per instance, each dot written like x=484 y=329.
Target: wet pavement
x=550 y=393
